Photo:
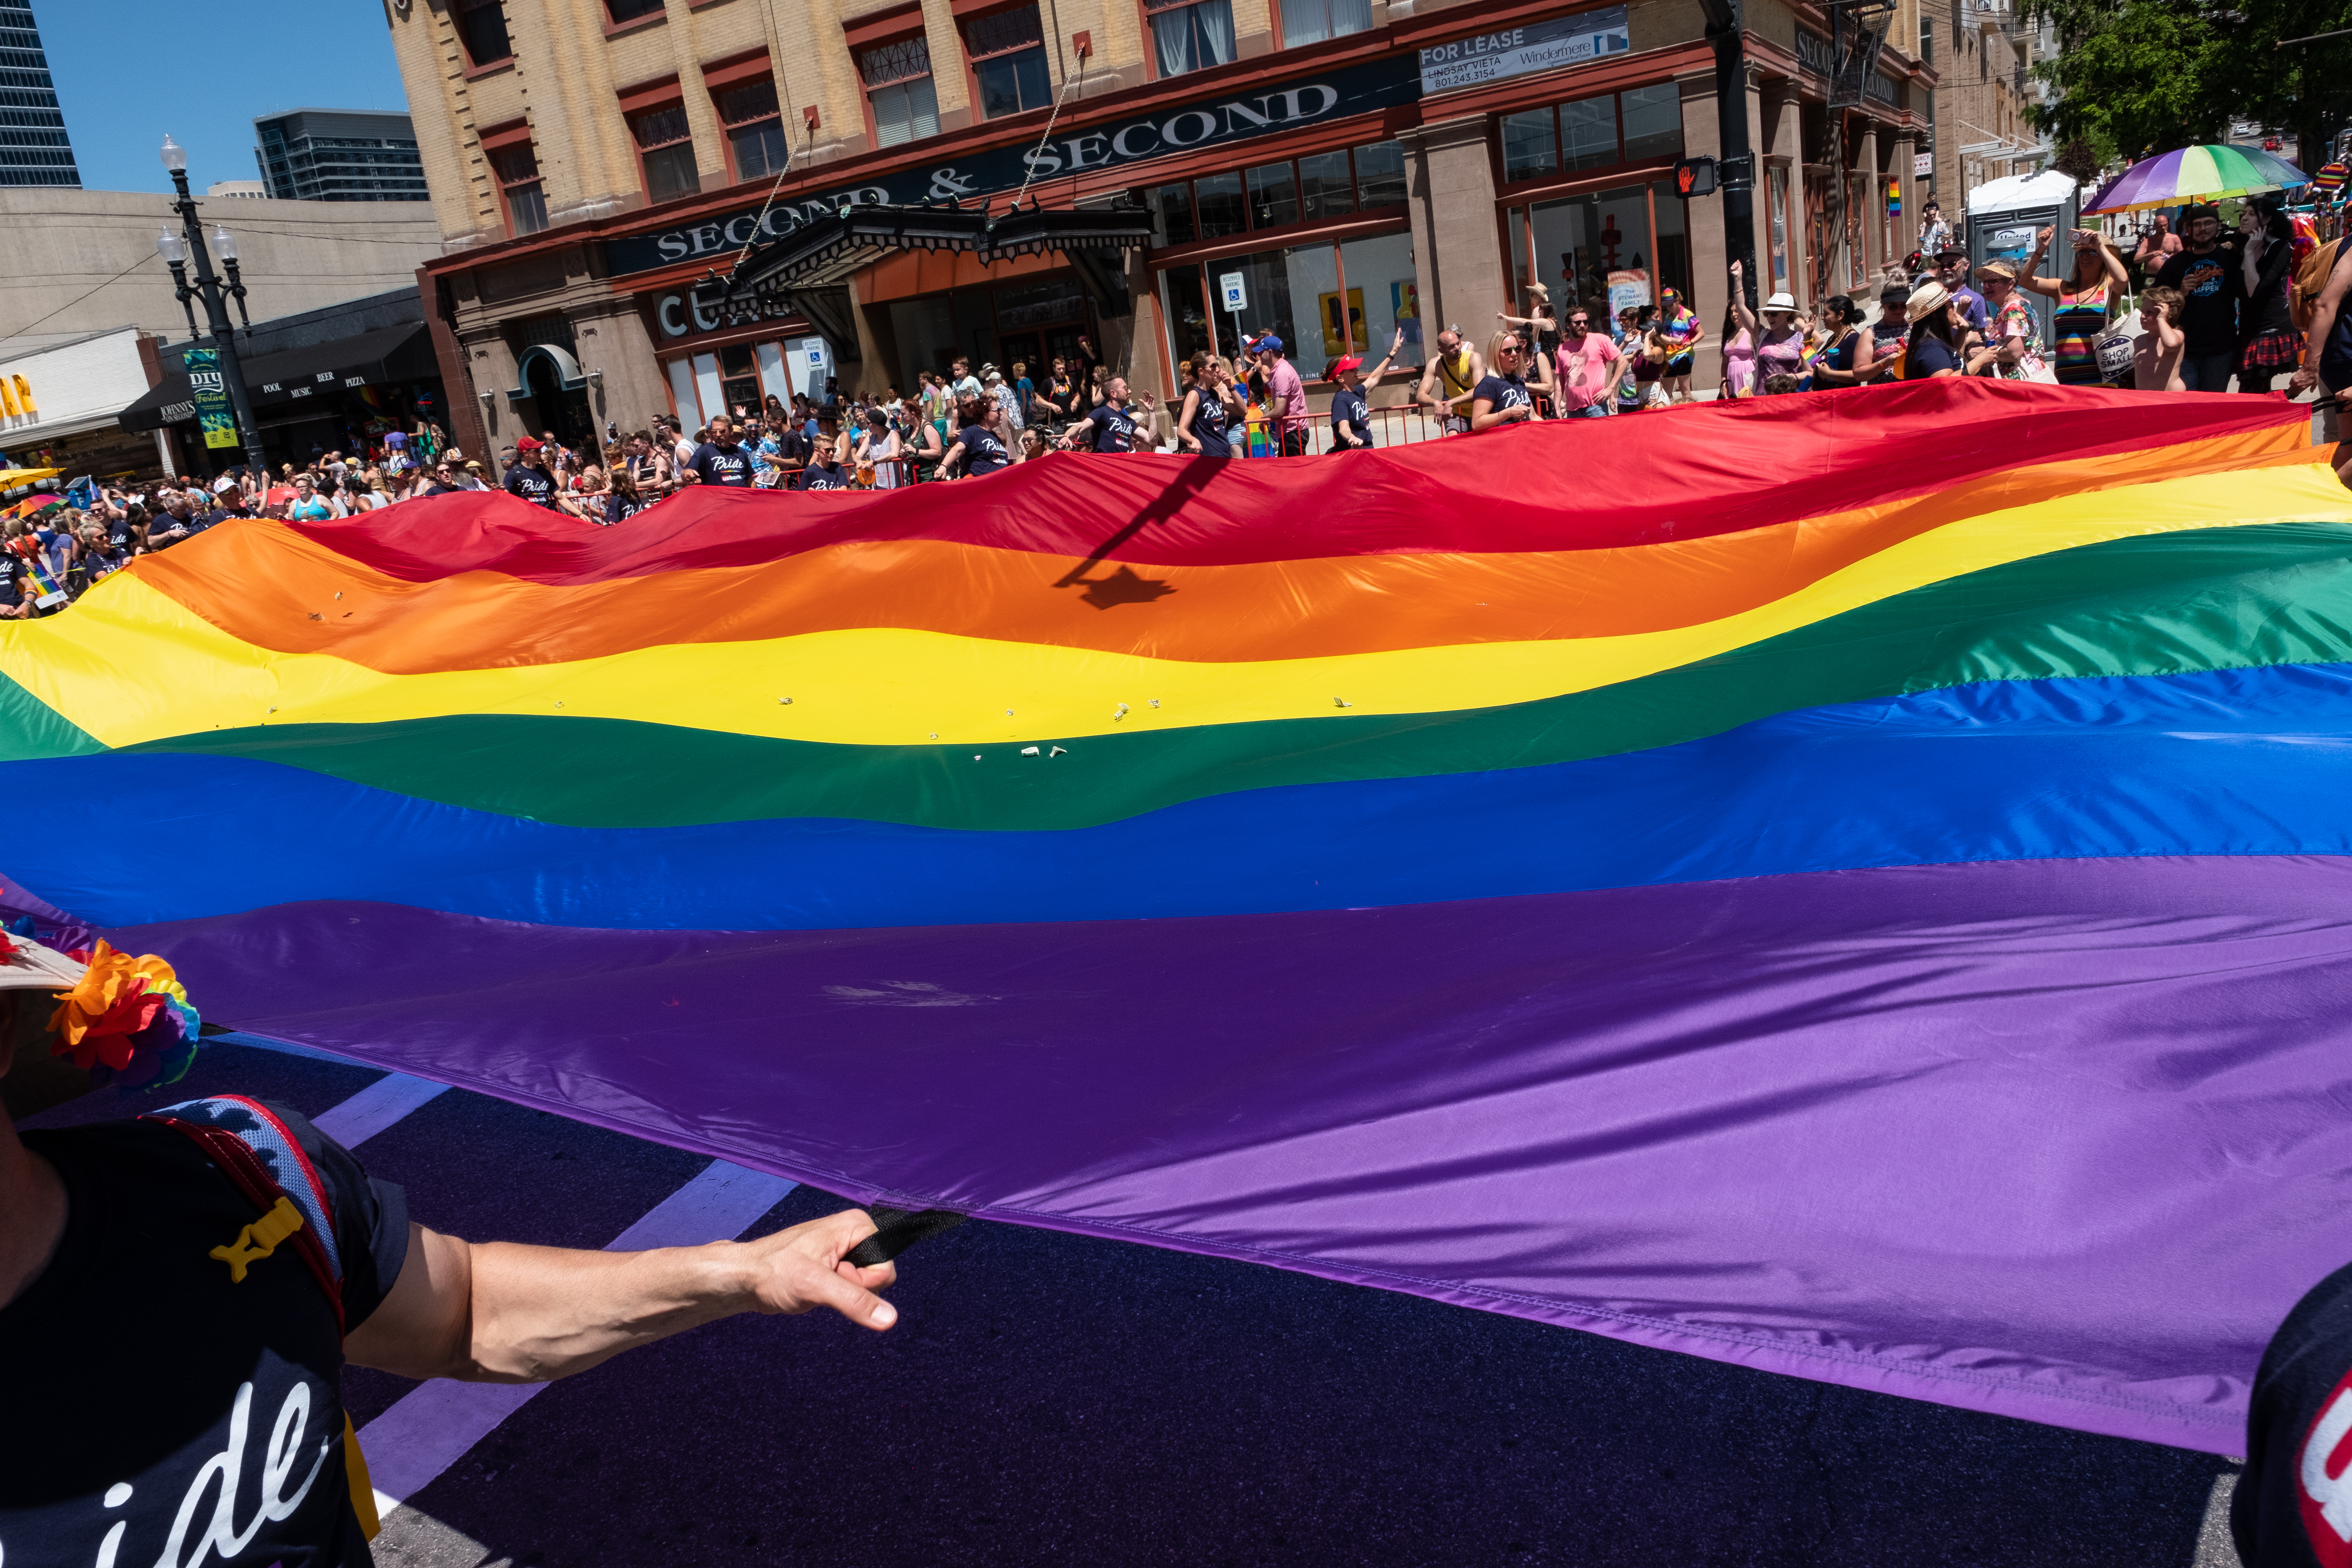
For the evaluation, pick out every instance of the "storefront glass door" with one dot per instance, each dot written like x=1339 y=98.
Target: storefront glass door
x=1598 y=249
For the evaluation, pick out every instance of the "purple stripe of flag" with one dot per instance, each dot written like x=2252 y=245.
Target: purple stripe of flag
x=2062 y=1140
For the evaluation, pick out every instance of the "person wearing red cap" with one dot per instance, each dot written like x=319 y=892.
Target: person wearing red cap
x=1351 y=424
x=529 y=478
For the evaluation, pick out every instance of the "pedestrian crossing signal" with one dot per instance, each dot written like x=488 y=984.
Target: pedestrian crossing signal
x=1695 y=176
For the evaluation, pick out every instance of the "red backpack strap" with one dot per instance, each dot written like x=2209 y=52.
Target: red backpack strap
x=212 y=1127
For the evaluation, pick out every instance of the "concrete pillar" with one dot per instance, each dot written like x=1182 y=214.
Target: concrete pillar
x=492 y=366
x=1148 y=361
x=1863 y=226
x=611 y=337
x=1458 y=265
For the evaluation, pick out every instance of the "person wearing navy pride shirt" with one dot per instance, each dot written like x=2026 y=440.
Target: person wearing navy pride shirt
x=529 y=478
x=979 y=446
x=721 y=460
x=1110 y=427
x=1502 y=396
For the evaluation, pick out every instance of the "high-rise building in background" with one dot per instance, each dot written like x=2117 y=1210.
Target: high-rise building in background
x=34 y=147
x=338 y=155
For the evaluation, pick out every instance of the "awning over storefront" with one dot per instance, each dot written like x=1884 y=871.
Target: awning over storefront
x=389 y=354
x=806 y=272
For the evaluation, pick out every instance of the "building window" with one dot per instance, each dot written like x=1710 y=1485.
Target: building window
x=1779 y=181
x=482 y=27
x=1312 y=21
x=898 y=89
x=1273 y=196
x=755 y=129
x=1587 y=132
x=1594 y=132
x=1314 y=189
x=667 y=152
x=630 y=10
x=1008 y=61
x=1172 y=215
x=1531 y=150
x=1654 y=121
x=1218 y=200
x=1379 y=176
x=1191 y=37
x=1597 y=250
x=1322 y=299
x=1325 y=189
x=520 y=188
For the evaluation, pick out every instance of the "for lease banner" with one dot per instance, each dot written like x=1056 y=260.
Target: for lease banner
x=1518 y=51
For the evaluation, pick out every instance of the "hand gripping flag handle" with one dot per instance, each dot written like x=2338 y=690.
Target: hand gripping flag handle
x=898 y=1230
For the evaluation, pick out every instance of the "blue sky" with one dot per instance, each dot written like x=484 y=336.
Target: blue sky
x=129 y=70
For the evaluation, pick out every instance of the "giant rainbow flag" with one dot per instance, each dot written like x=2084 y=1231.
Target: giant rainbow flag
x=1859 y=886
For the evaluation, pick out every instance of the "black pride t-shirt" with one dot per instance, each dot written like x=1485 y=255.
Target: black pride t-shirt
x=730 y=464
x=2293 y=1503
x=1501 y=392
x=1114 y=431
x=1348 y=408
x=536 y=486
x=983 y=454
x=2211 y=287
x=159 y=1412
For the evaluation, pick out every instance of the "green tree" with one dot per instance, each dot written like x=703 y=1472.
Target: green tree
x=2143 y=77
x=2079 y=161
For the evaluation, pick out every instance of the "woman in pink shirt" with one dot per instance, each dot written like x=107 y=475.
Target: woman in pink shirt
x=1738 y=357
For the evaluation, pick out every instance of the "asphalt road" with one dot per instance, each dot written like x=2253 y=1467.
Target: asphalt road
x=1053 y=1399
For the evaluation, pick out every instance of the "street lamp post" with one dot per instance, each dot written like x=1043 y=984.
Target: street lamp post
x=176 y=251
x=1725 y=29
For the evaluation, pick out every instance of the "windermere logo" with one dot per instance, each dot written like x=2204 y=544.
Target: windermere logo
x=1332 y=96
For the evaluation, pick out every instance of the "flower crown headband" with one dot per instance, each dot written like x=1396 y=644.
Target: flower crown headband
x=124 y=1020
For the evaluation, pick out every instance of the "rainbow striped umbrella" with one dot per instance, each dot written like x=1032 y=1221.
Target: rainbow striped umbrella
x=2195 y=174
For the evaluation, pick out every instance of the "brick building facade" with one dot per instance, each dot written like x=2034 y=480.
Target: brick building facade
x=1363 y=166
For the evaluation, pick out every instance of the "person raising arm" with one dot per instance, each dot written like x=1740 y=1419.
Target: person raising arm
x=2087 y=302
x=1350 y=414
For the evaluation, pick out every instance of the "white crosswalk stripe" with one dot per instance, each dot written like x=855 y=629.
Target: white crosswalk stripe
x=432 y=1427
x=376 y=1107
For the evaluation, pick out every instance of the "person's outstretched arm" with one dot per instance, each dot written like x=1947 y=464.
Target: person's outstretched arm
x=500 y=1312
x=1746 y=317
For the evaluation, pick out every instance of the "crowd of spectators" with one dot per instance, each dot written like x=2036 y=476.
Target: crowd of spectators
x=55 y=545
x=2201 y=309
